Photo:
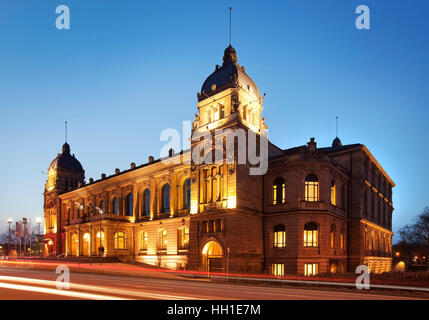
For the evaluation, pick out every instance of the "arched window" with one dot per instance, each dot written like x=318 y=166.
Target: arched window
x=342 y=239
x=311 y=188
x=279 y=191
x=144 y=241
x=162 y=240
x=333 y=236
x=115 y=205
x=121 y=241
x=333 y=193
x=166 y=198
x=222 y=111
x=146 y=202
x=130 y=205
x=187 y=194
x=310 y=235
x=279 y=236
x=101 y=206
x=183 y=237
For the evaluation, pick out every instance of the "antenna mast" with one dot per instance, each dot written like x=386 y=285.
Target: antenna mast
x=230 y=24
x=336 y=124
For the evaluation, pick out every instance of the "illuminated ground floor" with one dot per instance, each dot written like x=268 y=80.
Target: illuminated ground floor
x=306 y=243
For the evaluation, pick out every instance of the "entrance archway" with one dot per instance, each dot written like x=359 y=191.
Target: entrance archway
x=49 y=247
x=212 y=257
x=74 y=245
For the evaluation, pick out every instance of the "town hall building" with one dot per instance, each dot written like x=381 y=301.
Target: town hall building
x=315 y=210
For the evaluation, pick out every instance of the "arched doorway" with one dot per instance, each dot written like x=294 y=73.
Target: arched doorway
x=74 y=245
x=49 y=247
x=86 y=244
x=212 y=257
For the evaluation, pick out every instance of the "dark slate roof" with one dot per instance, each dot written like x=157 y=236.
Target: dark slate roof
x=229 y=75
x=66 y=161
x=327 y=150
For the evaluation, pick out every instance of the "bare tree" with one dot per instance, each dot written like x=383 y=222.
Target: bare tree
x=418 y=232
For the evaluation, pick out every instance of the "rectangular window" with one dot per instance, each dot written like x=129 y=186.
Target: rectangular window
x=342 y=240
x=334 y=195
x=311 y=191
x=144 y=241
x=162 y=240
x=311 y=269
x=310 y=238
x=280 y=239
x=183 y=238
x=278 y=269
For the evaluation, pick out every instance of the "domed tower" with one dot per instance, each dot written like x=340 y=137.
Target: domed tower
x=65 y=173
x=222 y=187
x=227 y=93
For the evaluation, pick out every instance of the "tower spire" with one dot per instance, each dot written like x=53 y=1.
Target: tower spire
x=66 y=130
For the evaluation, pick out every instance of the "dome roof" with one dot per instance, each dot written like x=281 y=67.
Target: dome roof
x=66 y=161
x=337 y=143
x=229 y=75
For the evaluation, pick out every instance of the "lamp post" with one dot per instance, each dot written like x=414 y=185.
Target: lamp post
x=100 y=248
x=24 y=221
x=39 y=221
x=9 y=221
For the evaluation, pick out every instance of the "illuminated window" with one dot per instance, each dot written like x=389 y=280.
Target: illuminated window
x=332 y=236
x=311 y=188
x=162 y=240
x=144 y=241
x=310 y=235
x=146 y=202
x=187 y=194
x=278 y=269
x=166 y=198
x=130 y=204
x=121 y=241
x=115 y=205
x=342 y=239
x=333 y=194
x=279 y=191
x=101 y=206
x=279 y=236
x=311 y=269
x=222 y=111
x=183 y=238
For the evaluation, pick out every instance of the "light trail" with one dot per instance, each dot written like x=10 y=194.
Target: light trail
x=66 y=293
x=77 y=286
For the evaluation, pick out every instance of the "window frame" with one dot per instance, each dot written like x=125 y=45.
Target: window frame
x=311 y=232
x=279 y=236
x=311 y=188
x=121 y=235
x=279 y=191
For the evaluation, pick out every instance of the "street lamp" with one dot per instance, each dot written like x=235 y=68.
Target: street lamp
x=39 y=221
x=24 y=221
x=100 y=249
x=9 y=221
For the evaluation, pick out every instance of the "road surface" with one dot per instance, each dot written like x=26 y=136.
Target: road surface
x=35 y=284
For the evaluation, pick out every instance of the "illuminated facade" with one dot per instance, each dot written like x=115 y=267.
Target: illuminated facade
x=315 y=210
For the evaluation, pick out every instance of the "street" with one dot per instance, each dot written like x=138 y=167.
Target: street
x=35 y=284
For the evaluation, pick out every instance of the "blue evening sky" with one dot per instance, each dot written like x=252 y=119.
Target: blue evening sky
x=126 y=70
